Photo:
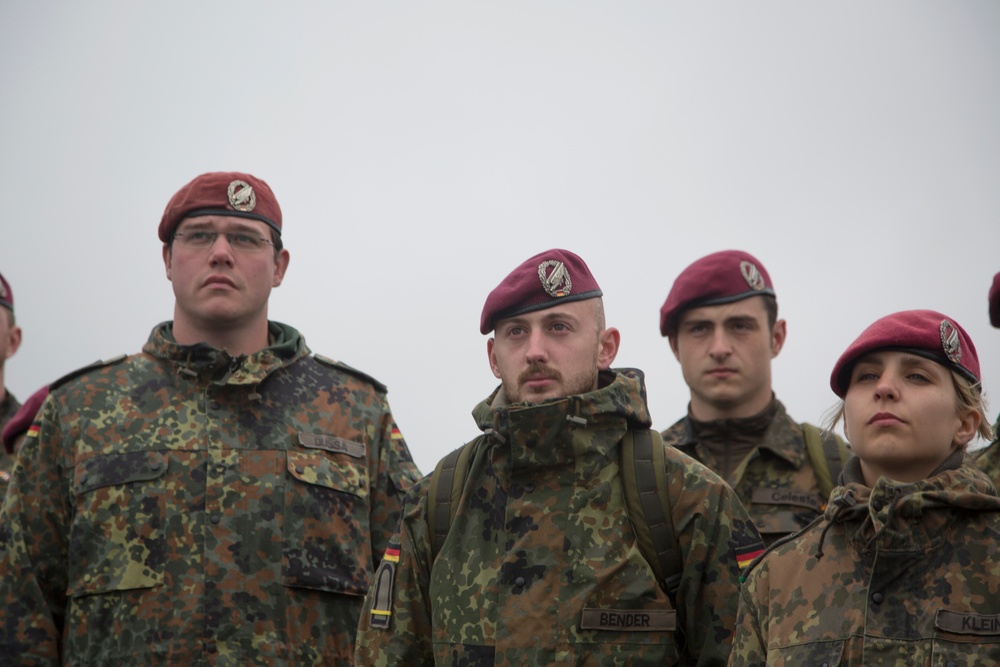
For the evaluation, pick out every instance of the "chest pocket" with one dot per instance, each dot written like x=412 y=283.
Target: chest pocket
x=964 y=638
x=117 y=536
x=818 y=654
x=326 y=526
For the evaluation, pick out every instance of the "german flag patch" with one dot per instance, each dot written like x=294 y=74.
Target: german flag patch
x=746 y=555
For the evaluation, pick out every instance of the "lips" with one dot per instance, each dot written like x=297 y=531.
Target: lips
x=884 y=419
x=212 y=281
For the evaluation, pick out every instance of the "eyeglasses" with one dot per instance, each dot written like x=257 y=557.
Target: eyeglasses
x=241 y=241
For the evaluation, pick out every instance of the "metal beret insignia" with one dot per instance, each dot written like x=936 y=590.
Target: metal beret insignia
x=950 y=342
x=556 y=282
x=752 y=275
x=241 y=196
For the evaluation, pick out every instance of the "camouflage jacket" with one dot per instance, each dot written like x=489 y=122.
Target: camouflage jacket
x=8 y=408
x=898 y=574
x=776 y=482
x=184 y=507
x=541 y=566
x=988 y=459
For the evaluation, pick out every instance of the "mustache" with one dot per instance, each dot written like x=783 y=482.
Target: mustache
x=534 y=372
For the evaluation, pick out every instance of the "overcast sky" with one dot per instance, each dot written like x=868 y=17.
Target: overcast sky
x=421 y=150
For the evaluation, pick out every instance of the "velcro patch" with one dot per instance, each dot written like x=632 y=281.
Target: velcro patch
x=628 y=620
x=967 y=624
x=332 y=443
x=767 y=496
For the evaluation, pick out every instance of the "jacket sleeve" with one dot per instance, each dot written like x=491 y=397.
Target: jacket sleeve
x=395 y=624
x=394 y=475
x=716 y=535
x=34 y=534
x=748 y=645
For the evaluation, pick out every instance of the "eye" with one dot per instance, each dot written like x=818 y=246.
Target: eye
x=560 y=326
x=200 y=237
x=245 y=240
x=865 y=375
x=919 y=377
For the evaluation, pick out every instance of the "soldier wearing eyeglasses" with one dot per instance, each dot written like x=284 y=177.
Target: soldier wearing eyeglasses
x=220 y=498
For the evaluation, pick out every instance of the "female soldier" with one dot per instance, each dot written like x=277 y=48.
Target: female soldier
x=902 y=568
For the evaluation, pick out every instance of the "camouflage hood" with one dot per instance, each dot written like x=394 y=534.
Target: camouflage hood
x=286 y=346
x=545 y=430
x=897 y=516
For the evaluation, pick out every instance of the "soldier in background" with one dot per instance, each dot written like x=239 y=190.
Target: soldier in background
x=221 y=497
x=541 y=564
x=902 y=568
x=10 y=340
x=721 y=318
x=14 y=432
x=989 y=458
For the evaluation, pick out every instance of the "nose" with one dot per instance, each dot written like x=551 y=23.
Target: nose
x=720 y=347
x=221 y=251
x=886 y=388
x=536 y=351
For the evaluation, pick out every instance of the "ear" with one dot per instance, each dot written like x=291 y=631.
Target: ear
x=607 y=349
x=673 y=346
x=13 y=339
x=968 y=426
x=494 y=366
x=166 y=260
x=778 y=337
x=280 y=266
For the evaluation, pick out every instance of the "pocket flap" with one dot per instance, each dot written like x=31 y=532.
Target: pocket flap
x=113 y=469
x=321 y=470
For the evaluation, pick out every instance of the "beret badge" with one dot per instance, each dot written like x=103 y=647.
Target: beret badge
x=241 y=196
x=3 y=290
x=555 y=278
x=950 y=342
x=752 y=275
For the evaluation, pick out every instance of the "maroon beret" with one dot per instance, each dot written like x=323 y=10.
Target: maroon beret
x=545 y=280
x=995 y=301
x=923 y=332
x=22 y=419
x=222 y=193
x=722 y=277
x=6 y=295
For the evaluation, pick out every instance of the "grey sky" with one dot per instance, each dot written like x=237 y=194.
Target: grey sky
x=421 y=150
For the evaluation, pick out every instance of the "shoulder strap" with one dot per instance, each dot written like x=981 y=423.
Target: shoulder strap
x=446 y=485
x=828 y=456
x=644 y=480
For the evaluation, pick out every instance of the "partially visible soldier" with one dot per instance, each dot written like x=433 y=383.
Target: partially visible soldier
x=541 y=564
x=988 y=459
x=10 y=340
x=14 y=431
x=221 y=498
x=721 y=318
x=902 y=568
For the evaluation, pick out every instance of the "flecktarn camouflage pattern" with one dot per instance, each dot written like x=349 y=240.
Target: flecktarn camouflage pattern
x=905 y=575
x=777 y=484
x=8 y=408
x=541 y=565
x=988 y=458
x=184 y=507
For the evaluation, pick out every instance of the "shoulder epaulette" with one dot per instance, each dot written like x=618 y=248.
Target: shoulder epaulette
x=89 y=367
x=353 y=371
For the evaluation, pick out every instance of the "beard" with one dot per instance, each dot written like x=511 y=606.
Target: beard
x=578 y=384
